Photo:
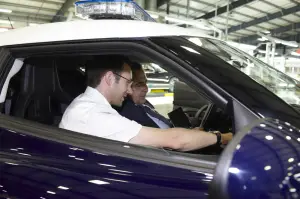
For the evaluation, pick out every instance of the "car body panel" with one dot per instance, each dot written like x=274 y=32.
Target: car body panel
x=113 y=29
x=262 y=162
x=31 y=166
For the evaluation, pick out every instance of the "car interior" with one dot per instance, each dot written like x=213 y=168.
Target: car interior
x=44 y=87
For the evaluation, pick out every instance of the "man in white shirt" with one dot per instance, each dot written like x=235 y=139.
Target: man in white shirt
x=109 y=81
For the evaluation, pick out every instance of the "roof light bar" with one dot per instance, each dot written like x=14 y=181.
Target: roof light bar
x=111 y=9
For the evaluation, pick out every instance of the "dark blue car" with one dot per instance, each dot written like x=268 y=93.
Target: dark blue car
x=42 y=69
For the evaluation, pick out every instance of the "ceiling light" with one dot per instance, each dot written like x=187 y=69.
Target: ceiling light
x=267 y=168
x=7 y=22
x=51 y=192
x=291 y=160
x=288 y=137
x=5 y=10
x=98 y=182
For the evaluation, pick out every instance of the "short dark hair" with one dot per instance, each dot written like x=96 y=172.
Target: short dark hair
x=135 y=67
x=97 y=67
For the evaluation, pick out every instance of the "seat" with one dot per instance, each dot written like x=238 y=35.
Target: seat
x=41 y=97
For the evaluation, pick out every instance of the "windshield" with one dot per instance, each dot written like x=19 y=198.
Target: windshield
x=282 y=85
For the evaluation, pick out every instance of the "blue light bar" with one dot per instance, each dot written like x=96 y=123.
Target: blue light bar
x=111 y=9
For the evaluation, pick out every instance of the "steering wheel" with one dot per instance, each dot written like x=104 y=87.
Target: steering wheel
x=200 y=111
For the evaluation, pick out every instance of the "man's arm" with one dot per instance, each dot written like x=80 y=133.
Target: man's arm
x=176 y=138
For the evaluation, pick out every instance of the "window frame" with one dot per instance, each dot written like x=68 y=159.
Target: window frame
x=204 y=163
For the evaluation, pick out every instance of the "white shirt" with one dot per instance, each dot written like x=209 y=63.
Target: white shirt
x=90 y=113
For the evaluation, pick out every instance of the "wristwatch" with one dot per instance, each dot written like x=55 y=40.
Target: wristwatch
x=219 y=137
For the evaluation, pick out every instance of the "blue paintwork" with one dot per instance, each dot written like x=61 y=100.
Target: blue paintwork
x=40 y=165
x=267 y=160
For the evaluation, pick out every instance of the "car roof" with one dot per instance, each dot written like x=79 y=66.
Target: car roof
x=93 y=29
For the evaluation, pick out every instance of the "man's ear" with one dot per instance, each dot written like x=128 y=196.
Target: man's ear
x=109 y=78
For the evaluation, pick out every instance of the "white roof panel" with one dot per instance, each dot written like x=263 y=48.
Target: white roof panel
x=279 y=22
x=94 y=29
x=267 y=26
x=245 y=32
x=292 y=18
x=283 y=3
x=264 y=6
x=250 y=11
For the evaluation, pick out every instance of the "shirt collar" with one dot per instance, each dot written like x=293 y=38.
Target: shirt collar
x=96 y=95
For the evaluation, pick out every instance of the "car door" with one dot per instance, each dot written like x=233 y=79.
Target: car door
x=42 y=161
x=262 y=161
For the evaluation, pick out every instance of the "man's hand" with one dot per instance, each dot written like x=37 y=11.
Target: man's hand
x=226 y=137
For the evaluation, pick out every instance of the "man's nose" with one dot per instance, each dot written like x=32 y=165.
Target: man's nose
x=129 y=89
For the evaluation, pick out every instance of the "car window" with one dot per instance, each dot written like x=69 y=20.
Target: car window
x=277 y=82
x=45 y=86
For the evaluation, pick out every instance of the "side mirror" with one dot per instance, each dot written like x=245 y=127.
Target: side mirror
x=262 y=161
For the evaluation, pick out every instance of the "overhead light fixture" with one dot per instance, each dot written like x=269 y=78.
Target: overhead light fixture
x=266 y=31
x=5 y=10
x=4 y=30
x=6 y=22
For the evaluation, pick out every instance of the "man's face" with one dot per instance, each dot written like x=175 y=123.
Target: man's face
x=139 y=88
x=121 y=87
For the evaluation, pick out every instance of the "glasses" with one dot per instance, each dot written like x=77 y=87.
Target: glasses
x=129 y=81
